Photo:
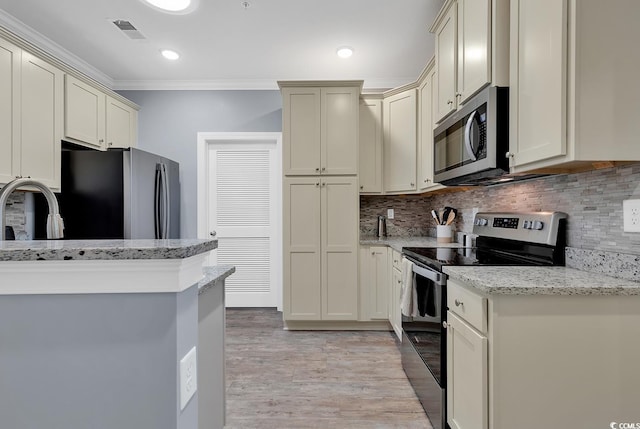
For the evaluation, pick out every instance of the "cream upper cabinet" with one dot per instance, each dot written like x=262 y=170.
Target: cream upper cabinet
x=570 y=104
x=320 y=128
x=121 y=125
x=41 y=119
x=425 y=133
x=471 y=51
x=400 y=139
x=84 y=120
x=97 y=120
x=370 y=145
x=374 y=283
x=10 y=58
x=321 y=222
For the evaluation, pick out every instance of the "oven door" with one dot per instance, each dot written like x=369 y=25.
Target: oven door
x=424 y=343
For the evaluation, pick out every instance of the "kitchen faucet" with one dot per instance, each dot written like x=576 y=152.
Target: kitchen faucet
x=55 y=225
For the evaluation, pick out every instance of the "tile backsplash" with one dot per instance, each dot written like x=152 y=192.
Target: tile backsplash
x=593 y=201
x=15 y=211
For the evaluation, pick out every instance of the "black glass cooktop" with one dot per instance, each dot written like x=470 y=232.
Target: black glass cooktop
x=437 y=257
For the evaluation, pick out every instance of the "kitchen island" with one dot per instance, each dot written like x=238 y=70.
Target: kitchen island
x=92 y=332
x=541 y=347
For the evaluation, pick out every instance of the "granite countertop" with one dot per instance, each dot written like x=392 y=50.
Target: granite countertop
x=540 y=281
x=64 y=250
x=212 y=275
x=397 y=243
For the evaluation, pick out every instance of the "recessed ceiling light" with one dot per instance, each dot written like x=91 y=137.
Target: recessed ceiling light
x=172 y=6
x=169 y=54
x=344 y=52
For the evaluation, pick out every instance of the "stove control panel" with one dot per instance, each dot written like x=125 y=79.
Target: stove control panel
x=535 y=227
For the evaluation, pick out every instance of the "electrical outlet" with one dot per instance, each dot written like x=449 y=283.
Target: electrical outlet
x=188 y=377
x=631 y=214
x=390 y=214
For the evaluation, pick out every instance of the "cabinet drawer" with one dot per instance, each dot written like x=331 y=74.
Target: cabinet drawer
x=396 y=259
x=468 y=305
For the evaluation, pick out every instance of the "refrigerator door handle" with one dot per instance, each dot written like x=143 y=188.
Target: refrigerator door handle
x=156 y=203
x=165 y=202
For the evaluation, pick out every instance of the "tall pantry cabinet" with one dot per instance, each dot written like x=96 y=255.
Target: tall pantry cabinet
x=321 y=200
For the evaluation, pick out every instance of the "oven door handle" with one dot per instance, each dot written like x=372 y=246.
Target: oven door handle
x=434 y=276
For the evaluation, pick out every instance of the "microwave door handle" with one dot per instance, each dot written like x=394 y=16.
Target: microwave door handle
x=467 y=136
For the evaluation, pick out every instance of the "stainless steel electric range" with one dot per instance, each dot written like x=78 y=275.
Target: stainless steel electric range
x=534 y=238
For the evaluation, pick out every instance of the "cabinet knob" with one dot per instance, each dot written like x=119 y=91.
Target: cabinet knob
x=324 y=184
x=361 y=187
x=427 y=180
x=445 y=325
x=110 y=144
x=212 y=233
x=399 y=281
x=323 y=169
x=317 y=184
x=458 y=94
x=317 y=169
x=449 y=102
x=412 y=184
x=509 y=155
x=459 y=303
x=373 y=253
x=101 y=141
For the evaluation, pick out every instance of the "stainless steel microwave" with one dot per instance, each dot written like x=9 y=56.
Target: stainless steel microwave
x=470 y=146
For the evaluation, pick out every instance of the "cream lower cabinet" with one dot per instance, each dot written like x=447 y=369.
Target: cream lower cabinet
x=374 y=283
x=400 y=138
x=573 y=91
x=395 y=281
x=31 y=109
x=536 y=361
x=321 y=222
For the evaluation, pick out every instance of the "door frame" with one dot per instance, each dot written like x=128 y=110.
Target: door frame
x=205 y=140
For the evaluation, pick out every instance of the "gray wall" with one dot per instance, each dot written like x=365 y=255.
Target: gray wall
x=169 y=122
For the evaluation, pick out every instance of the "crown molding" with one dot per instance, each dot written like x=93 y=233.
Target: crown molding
x=26 y=37
x=195 y=85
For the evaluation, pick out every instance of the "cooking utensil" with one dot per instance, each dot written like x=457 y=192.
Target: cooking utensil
x=434 y=214
x=445 y=215
x=451 y=216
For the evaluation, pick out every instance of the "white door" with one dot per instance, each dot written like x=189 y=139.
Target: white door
x=243 y=208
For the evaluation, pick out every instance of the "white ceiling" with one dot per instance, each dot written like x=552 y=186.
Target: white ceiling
x=224 y=45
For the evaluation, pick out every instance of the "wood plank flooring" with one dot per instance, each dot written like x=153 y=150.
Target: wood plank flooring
x=314 y=379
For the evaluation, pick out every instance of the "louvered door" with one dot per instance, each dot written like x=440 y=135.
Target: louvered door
x=243 y=216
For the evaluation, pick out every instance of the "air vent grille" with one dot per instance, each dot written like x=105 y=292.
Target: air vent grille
x=128 y=29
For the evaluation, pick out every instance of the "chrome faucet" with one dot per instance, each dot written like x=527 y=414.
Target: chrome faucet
x=55 y=225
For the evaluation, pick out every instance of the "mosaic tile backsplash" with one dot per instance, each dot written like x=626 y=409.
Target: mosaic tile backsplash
x=15 y=211
x=593 y=201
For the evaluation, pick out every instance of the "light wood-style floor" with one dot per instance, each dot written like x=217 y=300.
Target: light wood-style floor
x=314 y=379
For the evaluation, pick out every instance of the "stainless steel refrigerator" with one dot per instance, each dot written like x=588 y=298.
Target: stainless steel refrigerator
x=120 y=193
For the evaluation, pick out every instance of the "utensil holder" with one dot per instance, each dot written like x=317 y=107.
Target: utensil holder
x=444 y=233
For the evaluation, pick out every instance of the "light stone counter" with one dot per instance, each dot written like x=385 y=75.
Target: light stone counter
x=540 y=281
x=65 y=250
x=397 y=243
x=214 y=275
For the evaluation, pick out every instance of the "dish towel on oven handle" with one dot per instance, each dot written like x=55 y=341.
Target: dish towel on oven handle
x=408 y=293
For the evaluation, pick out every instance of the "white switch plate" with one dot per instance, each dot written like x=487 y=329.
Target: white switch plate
x=188 y=377
x=631 y=215
x=390 y=213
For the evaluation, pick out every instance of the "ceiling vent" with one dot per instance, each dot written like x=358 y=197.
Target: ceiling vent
x=128 y=29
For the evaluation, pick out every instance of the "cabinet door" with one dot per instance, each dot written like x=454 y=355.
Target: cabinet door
x=339 y=244
x=339 y=130
x=41 y=118
x=474 y=47
x=370 y=143
x=376 y=282
x=122 y=124
x=9 y=111
x=301 y=131
x=425 y=134
x=395 y=313
x=467 y=368
x=400 y=140
x=301 y=243
x=84 y=113
x=538 y=73
x=446 y=63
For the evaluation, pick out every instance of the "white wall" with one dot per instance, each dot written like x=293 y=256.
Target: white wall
x=168 y=123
